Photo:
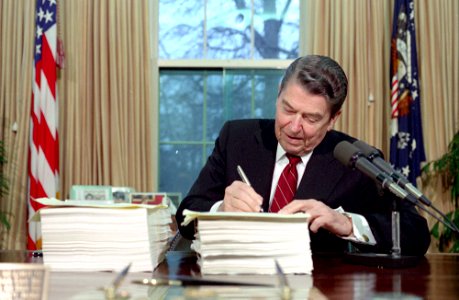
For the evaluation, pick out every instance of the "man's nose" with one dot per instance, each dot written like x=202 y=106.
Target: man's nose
x=295 y=125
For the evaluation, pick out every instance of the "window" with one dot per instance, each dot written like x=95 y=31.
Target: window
x=225 y=29
x=219 y=60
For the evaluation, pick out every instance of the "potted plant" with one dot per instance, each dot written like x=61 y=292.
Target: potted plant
x=447 y=167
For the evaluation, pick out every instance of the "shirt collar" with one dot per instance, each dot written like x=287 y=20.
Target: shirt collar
x=280 y=154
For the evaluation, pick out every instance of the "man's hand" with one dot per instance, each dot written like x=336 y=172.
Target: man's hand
x=239 y=196
x=321 y=216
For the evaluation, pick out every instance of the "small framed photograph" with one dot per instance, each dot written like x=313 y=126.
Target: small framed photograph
x=148 y=198
x=121 y=194
x=91 y=192
x=174 y=200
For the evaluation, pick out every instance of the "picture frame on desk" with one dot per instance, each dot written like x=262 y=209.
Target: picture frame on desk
x=121 y=194
x=148 y=198
x=91 y=193
x=174 y=199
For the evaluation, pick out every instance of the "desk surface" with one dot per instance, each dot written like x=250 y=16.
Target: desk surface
x=435 y=277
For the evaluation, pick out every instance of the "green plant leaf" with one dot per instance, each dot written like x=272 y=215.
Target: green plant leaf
x=455 y=246
x=435 y=231
x=447 y=168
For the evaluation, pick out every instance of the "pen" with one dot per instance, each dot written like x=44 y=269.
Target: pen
x=119 y=278
x=285 y=288
x=243 y=176
x=111 y=292
x=245 y=179
x=189 y=280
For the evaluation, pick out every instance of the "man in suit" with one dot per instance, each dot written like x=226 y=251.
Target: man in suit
x=344 y=205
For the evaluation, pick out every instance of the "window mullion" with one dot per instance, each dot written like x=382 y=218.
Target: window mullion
x=204 y=119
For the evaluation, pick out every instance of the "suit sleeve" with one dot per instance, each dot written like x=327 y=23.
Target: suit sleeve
x=209 y=186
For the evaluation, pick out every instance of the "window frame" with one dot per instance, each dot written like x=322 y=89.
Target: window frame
x=158 y=64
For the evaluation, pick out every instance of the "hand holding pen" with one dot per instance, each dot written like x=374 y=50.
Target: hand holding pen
x=245 y=180
x=241 y=197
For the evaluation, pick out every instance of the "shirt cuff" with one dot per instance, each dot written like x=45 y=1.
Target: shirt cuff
x=216 y=206
x=361 y=229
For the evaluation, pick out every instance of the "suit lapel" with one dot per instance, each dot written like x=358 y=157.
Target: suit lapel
x=262 y=159
x=322 y=174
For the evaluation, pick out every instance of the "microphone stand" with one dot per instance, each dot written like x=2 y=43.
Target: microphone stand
x=396 y=249
x=394 y=259
x=350 y=155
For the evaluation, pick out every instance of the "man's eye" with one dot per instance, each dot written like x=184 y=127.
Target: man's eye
x=312 y=120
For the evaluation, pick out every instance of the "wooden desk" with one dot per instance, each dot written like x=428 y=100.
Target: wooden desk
x=435 y=277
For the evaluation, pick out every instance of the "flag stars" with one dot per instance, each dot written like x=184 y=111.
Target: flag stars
x=39 y=32
x=406 y=171
x=48 y=16
x=38 y=49
x=52 y=2
x=41 y=14
x=413 y=145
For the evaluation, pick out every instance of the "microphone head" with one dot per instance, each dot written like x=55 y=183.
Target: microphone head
x=366 y=149
x=346 y=153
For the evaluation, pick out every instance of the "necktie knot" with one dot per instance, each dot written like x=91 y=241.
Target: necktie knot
x=293 y=159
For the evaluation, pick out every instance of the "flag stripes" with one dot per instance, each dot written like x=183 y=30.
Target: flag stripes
x=44 y=143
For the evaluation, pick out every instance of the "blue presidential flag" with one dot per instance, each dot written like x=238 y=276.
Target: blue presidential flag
x=406 y=143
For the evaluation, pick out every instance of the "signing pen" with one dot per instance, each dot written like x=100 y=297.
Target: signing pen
x=245 y=179
x=243 y=176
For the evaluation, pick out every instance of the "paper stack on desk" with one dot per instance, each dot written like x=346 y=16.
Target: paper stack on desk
x=81 y=237
x=249 y=243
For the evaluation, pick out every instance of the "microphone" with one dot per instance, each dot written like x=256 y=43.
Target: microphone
x=374 y=156
x=351 y=156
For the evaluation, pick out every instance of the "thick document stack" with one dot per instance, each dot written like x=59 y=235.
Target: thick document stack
x=81 y=237
x=250 y=243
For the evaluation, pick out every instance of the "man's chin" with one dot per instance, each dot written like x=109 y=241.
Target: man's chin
x=294 y=150
x=297 y=150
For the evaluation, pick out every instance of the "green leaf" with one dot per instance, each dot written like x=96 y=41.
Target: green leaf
x=435 y=231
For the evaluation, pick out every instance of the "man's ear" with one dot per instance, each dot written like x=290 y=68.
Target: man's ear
x=333 y=120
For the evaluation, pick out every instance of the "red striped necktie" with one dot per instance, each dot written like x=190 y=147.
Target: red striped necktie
x=286 y=186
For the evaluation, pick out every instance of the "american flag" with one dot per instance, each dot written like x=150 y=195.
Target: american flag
x=44 y=144
x=406 y=143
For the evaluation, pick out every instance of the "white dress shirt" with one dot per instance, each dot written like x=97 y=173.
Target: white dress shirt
x=361 y=230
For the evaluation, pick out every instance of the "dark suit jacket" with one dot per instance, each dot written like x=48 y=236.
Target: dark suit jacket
x=252 y=144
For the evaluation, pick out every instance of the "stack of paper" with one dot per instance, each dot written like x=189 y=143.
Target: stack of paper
x=81 y=237
x=249 y=243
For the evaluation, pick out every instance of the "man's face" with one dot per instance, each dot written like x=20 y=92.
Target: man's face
x=302 y=119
